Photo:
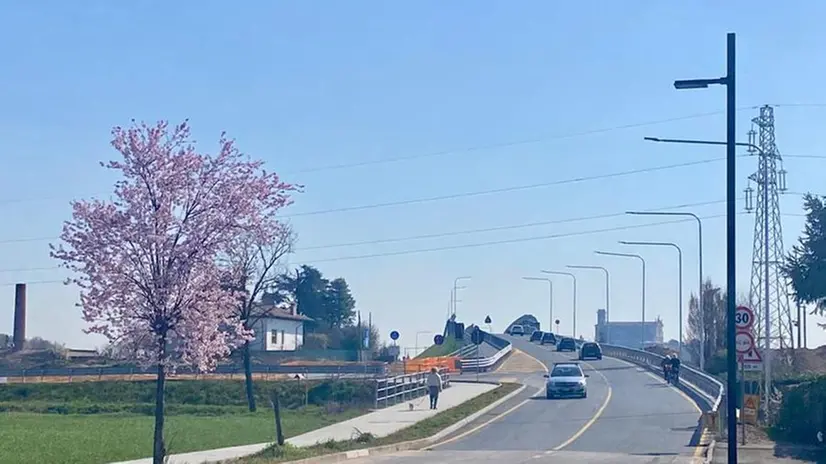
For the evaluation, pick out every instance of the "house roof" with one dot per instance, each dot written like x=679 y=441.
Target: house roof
x=278 y=312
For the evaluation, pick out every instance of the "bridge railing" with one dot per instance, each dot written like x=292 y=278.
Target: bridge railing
x=465 y=351
x=706 y=386
x=400 y=388
x=485 y=363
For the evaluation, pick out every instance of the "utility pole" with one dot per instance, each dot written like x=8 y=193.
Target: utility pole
x=768 y=293
x=730 y=81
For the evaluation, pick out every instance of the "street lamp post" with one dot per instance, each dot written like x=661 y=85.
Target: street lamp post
x=700 y=306
x=642 y=260
x=730 y=81
x=572 y=276
x=456 y=289
x=607 y=298
x=416 y=349
x=679 y=281
x=550 y=298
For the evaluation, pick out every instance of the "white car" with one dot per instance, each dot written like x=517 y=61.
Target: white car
x=517 y=330
x=566 y=379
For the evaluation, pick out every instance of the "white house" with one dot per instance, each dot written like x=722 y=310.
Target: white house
x=280 y=329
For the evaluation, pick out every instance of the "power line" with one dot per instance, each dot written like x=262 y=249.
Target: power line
x=475 y=148
x=515 y=188
x=491 y=191
x=512 y=143
x=440 y=234
x=504 y=189
x=500 y=228
x=508 y=144
x=482 y=244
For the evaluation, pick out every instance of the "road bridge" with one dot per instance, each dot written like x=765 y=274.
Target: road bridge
x=630 y=415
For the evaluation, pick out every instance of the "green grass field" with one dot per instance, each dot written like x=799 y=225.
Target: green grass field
x=102 y=422
x=103 y=438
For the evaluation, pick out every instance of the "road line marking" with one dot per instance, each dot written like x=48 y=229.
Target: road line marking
x=596 y=416
x=480 y=426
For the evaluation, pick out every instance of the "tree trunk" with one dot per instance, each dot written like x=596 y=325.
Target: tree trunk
x=248 y=376
x=159 y=449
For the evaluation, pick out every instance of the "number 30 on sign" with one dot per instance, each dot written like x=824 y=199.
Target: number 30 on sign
x=743 y=318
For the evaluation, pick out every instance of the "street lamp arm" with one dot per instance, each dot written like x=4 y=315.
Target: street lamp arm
x=664 y=213
x=559 y=273
x=622 y=255
x=702 y=142
x=670 y=244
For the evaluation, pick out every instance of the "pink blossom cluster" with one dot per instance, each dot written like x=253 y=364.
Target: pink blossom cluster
x=147 y=260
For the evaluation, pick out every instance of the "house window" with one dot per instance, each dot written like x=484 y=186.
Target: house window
x=274 y=334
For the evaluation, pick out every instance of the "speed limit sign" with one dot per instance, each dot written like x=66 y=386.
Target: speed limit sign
x=743 y=318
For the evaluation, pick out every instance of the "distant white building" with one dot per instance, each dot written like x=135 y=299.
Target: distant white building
x=280 y=329
x=628 y=333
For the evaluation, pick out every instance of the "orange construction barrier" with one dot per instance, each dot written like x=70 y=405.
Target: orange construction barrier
x=450 y=363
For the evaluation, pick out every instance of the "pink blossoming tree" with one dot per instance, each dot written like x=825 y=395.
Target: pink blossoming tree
x=148 y=261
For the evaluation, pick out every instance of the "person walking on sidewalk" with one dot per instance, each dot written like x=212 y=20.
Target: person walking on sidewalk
x=434 y=386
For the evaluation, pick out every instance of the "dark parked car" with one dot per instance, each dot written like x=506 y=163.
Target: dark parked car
x=536 y=335
x=590 y=350
x=566 y=344
x=548 y=338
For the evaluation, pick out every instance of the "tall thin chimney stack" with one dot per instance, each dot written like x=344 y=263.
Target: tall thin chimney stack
x=19 y=336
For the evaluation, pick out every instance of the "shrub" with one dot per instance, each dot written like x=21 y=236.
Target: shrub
x=801 y=413
x=292 y=393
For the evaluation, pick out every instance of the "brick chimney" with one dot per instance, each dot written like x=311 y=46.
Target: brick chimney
x=19 y=335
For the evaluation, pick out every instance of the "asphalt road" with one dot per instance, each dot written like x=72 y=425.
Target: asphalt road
x=629 y=416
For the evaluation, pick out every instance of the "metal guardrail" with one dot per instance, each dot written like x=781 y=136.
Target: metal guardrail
x=121 y=372
x=394 y=390
x=485 y=363
x=465 y=351
x=703 y=384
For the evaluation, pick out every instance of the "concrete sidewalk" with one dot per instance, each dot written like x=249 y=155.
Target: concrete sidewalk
x=769 y=453
x=380 y=423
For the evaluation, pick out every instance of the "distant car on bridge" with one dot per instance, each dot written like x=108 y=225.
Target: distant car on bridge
x=548 y=338
x=517 y=330
x=566 y=344
x=536 y=335
x=590 y=350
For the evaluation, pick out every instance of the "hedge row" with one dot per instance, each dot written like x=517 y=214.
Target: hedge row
x=292 y=393
x=803 y=413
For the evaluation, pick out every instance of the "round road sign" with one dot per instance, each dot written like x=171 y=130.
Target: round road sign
x=744 y=342
x=743 y=318
x=438 y=340
x=394 y=335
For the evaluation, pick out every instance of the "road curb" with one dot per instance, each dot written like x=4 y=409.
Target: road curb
x=489 y=382
x=710 y=452
x=407 y=445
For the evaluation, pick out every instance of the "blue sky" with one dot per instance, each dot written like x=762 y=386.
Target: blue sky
x=475 y=95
